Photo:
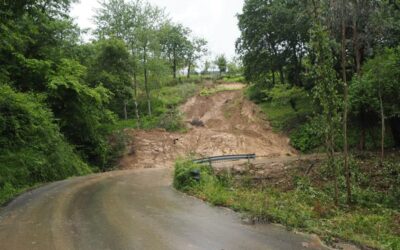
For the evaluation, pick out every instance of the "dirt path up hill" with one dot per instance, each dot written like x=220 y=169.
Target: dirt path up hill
x=231 y=125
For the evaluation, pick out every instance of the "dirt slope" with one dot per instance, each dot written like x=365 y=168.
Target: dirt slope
x=232 y=125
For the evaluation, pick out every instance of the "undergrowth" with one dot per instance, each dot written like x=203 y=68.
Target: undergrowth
x=165 y=102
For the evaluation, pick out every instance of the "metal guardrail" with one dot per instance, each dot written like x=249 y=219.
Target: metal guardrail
x=225 y=158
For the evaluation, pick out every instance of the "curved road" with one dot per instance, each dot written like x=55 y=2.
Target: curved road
x=131 y=210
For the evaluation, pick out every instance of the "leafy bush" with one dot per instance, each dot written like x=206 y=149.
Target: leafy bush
x=256 y=93
x=306 y=137
x=234 y=79
x=172 y=121
x=183 y=174
x=33 y=149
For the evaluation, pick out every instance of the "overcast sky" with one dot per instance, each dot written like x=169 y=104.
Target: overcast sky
x=214 y=20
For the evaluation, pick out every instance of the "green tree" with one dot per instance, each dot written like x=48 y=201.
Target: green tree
x=175 y=42
x=273 y=37
x=221 y=63
x=120 y=19
x=378 y=91
x=194 y=52
x=326 y=93
x=80 y=110
x=112 y=68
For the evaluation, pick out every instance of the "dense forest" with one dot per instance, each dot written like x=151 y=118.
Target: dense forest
x=61 y=96
x=282 y=42
x=334 y=64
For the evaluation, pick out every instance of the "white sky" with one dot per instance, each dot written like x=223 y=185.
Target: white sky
x=214 y=20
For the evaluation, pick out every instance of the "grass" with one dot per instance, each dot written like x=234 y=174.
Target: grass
x=234 y=79
x=283 y=117
x=214 y=90
x=306 y=207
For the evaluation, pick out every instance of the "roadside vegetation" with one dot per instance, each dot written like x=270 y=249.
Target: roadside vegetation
x=326 y=73
x=64 y=102
x=323 y=78
x=305 y=202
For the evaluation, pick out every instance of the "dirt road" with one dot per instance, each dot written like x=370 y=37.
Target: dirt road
x=131 y=210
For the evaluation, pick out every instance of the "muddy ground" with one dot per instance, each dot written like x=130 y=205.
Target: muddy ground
x=230 y=124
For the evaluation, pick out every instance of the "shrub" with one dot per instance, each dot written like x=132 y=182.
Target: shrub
x=306 y=137
x=183 y=174
x=172 y=121
x=33 y=149
x=256 y=93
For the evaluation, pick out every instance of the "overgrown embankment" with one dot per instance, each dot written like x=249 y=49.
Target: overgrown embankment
x=32 y=148
x=301 y=198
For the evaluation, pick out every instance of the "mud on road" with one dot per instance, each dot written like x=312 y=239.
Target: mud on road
x=231 y=125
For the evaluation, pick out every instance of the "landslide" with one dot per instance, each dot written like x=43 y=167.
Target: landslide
x=230 y=125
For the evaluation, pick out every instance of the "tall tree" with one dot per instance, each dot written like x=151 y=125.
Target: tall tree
x=273 y=39
x=119 y=19
x=221 y=63
x=326 y=90
x=346 y=100
x=175 y=42
x=195 y=50
x=111 y=67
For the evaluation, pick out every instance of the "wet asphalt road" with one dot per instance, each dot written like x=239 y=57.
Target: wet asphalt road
x=131 y=210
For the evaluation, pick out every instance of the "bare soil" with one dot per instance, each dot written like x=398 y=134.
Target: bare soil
x=230 y=124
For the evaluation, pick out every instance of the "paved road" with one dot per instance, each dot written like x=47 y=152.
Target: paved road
x=131 y=210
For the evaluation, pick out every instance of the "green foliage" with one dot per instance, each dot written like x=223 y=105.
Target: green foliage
x=296 y=43
x=183 y=176
x=165 y=103
x=256 y=93
x=81 y=111
x=307 y=137
x=380 y=74
x=284 y=117
x=111 y=68
x=172 y=120
x=33 y=149
x=273 y=39
x=284 y=94
x=222 y=63
x=233 y=79
x=207 y=91
x=175 y=44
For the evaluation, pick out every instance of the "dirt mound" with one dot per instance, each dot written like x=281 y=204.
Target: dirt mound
x=232 y=125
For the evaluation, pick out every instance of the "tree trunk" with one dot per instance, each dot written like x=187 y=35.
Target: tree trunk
x=382 y=125
x=345 y=112
x=395 y=127
x=355 y=39
x=125 y=110
x=273 y=77
x=174 y=66
x=282 y=75
x=136 y=98
x=146 y=84
x=363 y=134
x=189 y=69
x=333 y=167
